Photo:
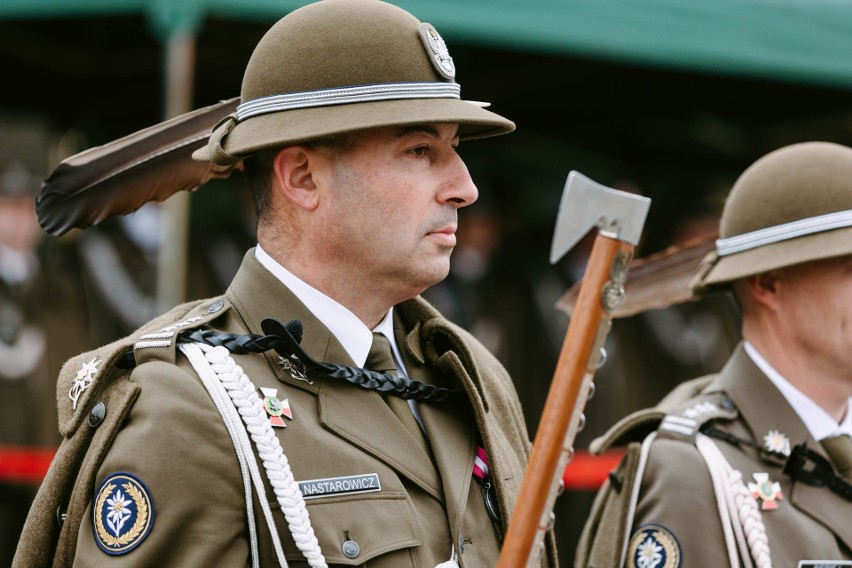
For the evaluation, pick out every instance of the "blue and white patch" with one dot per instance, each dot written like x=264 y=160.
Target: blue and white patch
x=122 y=513
x=653 y=546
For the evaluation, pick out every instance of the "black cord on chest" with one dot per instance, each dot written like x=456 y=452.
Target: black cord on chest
x=285 y=341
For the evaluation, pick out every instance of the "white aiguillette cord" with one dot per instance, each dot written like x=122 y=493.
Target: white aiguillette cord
x=222 y=376
x=737 y=508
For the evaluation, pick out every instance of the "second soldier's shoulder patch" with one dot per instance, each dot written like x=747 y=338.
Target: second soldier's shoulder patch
x=653 y=546
x=122 y=513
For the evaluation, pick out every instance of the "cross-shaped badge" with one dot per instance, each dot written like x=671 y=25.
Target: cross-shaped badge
x=275 y=407
x=767 y=491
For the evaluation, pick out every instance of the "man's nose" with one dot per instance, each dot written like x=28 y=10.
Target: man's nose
x=458 y=188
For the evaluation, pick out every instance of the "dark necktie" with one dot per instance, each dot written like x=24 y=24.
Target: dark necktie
x=380 y=359
x=839 y=450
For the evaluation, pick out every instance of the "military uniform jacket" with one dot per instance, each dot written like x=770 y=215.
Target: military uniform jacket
x=155 y=431
x=677 y=519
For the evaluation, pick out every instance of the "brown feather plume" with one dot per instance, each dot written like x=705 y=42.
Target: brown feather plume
x=656 y=281
x=121 y=176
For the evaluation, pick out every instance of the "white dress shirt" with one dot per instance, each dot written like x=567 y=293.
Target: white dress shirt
x=352 y=333
x=819 y=422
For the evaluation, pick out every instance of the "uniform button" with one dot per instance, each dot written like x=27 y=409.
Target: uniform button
x=728 y=404
x=96 y=415
x=351 y=549
x=215 y=307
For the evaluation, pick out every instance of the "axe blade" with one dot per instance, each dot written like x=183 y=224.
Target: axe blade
x=586 y=204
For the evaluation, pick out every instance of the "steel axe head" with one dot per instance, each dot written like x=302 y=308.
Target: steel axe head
x=586 y=204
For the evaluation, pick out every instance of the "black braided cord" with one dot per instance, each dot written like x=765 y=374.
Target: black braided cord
x=802 y=465
x=280 y=338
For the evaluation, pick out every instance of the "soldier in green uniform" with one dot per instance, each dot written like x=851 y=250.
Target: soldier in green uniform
x=193 y=443
x=752 y=466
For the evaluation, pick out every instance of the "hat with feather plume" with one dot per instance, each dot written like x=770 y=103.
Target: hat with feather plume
x=339 y=66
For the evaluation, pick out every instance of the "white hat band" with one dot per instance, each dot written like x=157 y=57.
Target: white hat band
x=778 y=233
x=347 y=95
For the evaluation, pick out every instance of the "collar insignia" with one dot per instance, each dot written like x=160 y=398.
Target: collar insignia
x=767 y=491
x=83 y=380
x=775 y=441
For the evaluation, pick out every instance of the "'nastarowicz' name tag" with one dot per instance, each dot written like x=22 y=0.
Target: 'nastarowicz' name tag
x=333 y=486
x=824 y=563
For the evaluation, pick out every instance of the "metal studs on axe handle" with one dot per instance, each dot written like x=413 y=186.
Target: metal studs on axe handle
x=619 y=218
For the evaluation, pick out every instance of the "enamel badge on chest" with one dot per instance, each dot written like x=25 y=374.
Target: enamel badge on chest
x=275 y=407
x=768 y=492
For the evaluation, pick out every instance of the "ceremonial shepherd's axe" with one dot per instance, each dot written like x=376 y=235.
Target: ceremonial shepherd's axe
x=619 y=218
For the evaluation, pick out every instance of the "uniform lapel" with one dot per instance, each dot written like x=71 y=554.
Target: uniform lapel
x=449 y=428
x=764 y=408
x=358 y=415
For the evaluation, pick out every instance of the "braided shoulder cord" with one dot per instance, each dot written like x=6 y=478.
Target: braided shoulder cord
x=244 y=397
x=741 y=520
x=281 y=339
x=750 y=520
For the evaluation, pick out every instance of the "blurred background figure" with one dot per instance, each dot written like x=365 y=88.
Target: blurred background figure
x=42 y=323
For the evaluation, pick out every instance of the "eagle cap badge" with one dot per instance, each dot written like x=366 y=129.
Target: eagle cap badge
x=437 y=49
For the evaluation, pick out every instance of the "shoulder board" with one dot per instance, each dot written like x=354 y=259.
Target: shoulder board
x=635 y=427
x=84 y=375
x=632 y=428
x=686 y=420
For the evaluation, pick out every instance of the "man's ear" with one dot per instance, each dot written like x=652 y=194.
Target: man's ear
x=293 y=176
x=764 y=288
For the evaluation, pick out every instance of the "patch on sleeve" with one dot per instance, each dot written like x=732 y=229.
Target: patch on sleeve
x=653 y=546
x=122 y=513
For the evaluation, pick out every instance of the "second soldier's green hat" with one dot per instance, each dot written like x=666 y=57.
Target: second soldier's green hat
x=793 y=205
x=339 y=66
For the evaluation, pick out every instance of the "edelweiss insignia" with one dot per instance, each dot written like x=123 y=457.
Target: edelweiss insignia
x=122 y=513
x=777 y=442
x=82 y=380
x=653 y=546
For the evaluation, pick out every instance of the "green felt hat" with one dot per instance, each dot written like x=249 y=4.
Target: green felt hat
x=793 y=205
x=339 y=66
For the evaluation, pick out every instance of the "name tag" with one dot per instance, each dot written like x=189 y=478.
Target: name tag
x=824 y=563
x=333 y=486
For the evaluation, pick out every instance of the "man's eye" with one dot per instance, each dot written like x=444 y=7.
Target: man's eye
x=420 y=151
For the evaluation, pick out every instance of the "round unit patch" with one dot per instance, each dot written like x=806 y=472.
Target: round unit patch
x=653 y=546
x=122 y=513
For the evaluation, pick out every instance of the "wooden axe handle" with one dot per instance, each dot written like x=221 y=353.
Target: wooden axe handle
x=600 y=292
